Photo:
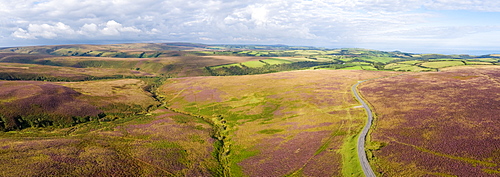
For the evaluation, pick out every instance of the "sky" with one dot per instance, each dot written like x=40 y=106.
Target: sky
x=417 y=26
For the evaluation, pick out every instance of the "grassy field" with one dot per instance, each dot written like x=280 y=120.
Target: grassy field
x=360 y=67
x=437 y=123
x=254 y=64
x=442 y=64
x=291 y=123
x=275 y=61
x=406 y=67
x=477 y=63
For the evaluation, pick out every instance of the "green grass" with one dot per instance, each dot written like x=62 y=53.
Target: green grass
x=239 y=156
x=359 y=68
x=442 y=64
x=411 y=62
x=253 y=64
x=350 y=161
x=275 y=61
x=352 y=68
x=270 y=131
x=227 y=66
x=379 y=59
x=493 y=60
x=406 y=67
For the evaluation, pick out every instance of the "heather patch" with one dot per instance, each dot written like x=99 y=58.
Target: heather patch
x=447 y=118
x=286 y=156
x=43 y=104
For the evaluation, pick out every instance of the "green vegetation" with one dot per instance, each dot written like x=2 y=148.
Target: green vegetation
x=442 y=64
x=253 y=64
x=138 y=109
x=270 y=131
x=350 y=161
x=275 y=61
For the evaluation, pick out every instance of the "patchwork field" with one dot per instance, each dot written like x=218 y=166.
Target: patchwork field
x=301 y=123
x=438 y=123
x=28 y=67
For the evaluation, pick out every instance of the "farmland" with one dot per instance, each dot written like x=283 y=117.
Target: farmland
x=183 y=109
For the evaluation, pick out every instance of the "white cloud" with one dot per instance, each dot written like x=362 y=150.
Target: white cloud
x=44 y=30
x=110 y=28
x=114 y=28
x=23 y=34
x=88 y=29
x=332 y=23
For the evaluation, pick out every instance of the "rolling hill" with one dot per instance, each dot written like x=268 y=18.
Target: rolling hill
x=184 y=109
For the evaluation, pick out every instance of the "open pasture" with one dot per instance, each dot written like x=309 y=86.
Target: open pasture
x=438 y=123
x=442 y=64
x=477 y=63
x=289 y=123
x=359 y=67
x=403 y=66
x=275 y=61
x=254 y=64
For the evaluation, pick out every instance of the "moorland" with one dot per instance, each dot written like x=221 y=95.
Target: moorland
x=184 y=109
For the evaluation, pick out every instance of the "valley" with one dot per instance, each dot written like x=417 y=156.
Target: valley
x=184 y=109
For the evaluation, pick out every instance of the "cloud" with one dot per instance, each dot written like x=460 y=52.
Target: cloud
x=43 y=30
x=23 y=34
x=114 y=28
x=477 y=5
x=331 y=23
x=47 y=31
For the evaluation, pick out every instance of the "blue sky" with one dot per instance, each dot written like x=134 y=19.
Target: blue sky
x=418 y=26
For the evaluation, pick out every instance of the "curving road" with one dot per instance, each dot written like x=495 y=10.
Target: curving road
x=367 y=169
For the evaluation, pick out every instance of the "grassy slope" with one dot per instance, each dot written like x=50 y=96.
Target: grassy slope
x=295 y=123
x=175 y=66
x=13 y=71
x=30 y=98
x=163 y=144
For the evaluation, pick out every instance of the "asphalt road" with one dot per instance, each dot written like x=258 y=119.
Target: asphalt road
x=367 y=169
